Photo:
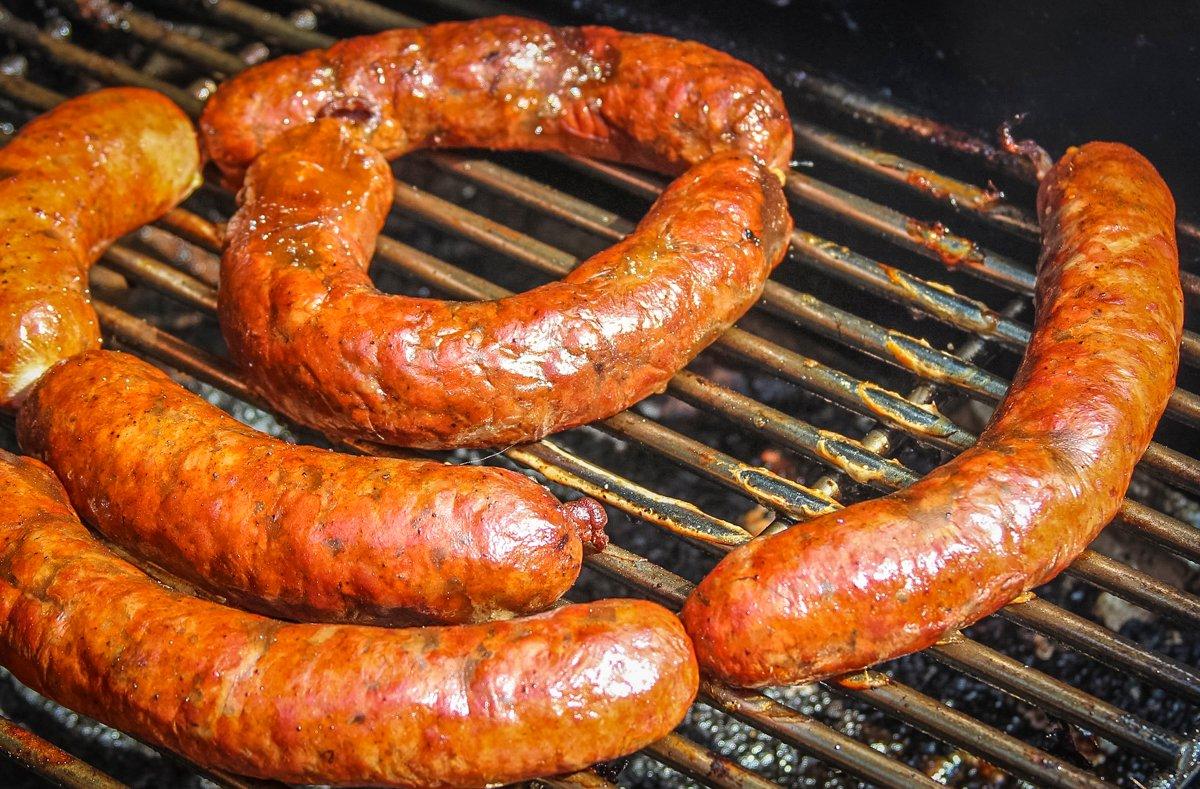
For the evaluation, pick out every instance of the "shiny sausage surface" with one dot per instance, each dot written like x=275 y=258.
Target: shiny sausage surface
x=893 y=575
x=296 y=531
x=318 y=341
x=307 y=703
x=510 y=83
x=71 y=182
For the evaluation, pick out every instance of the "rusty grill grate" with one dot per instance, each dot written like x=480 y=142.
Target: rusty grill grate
x=874 y=441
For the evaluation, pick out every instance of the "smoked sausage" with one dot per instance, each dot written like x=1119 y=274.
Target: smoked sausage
x=509 y=83
x=71 y=182
x=296 y=531
x=466 y=705
x=316 y=340
x=894 y=575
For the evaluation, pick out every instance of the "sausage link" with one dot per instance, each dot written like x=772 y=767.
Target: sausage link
x=341 y=704
x=510 y=83
x=71 y=182
x=294 y=531
x=320 y=343
x=890 y=576
x=324 y=347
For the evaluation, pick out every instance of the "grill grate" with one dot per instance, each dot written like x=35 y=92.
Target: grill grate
x=903 y=433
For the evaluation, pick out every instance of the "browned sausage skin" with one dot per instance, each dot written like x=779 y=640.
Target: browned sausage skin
x=317 y=341
x=327 y=349
x=71 y=182
x=893 y=575
x=342 y=704
x=294 y=531
x=510 y=83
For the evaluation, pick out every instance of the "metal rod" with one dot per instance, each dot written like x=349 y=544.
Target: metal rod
x=703 y=765
x=256 y=21
x=811 y=736
x=962 y=730
x=1100 y=643
x=102 y=68
x=50 y=761
x=987 y=205
x=1058 y=698
x=587 y=779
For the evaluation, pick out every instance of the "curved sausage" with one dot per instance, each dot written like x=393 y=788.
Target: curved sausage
x=71 y=182
x=342 y=704
x=294 y=531
x=320 y=343
x=323 y=346
x=890 y=576
x=510 y=83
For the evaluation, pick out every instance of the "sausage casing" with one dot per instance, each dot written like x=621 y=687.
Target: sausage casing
x=510 y=83
x=71 y=182
x=893 y=575
x=321 y=344
x=307 y=703
x=294 y=531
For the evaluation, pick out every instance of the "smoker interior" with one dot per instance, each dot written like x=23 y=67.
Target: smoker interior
x=1091 y=682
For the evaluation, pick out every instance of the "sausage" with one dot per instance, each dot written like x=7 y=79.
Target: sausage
x=316 y=340
x=465 y=705
x=322 y=345
x=71 y=182
x=294 y=531
x=510 y=83
x=893 y=575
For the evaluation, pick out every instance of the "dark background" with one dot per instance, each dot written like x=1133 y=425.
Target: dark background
x=1083 y=71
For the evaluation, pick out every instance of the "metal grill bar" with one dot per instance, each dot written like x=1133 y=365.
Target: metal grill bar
x=49 y=760
x=199 y=234
x=877 y=112
x=705 y=766
x=987 y=205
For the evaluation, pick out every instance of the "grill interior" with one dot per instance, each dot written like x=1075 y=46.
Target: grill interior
x=875 y=354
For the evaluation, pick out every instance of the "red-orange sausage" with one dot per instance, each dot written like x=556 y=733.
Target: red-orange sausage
x=71 y=182
x=294 y=531
x=319 y=342
x=510 y=83
x=323 y=346
x=893 y=575
x=342 y=704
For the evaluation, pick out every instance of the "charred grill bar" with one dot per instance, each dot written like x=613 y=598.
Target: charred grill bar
x=942 y=377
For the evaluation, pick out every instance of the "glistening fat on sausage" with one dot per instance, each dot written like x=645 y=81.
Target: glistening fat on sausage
x=343 y=704
x=297 y=531
x=317 y=341
x=59 y=209
x=893 y=575
x=509 y=83
x=322 y=345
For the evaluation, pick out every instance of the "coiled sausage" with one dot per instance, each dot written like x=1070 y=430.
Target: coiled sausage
x=323 y=346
